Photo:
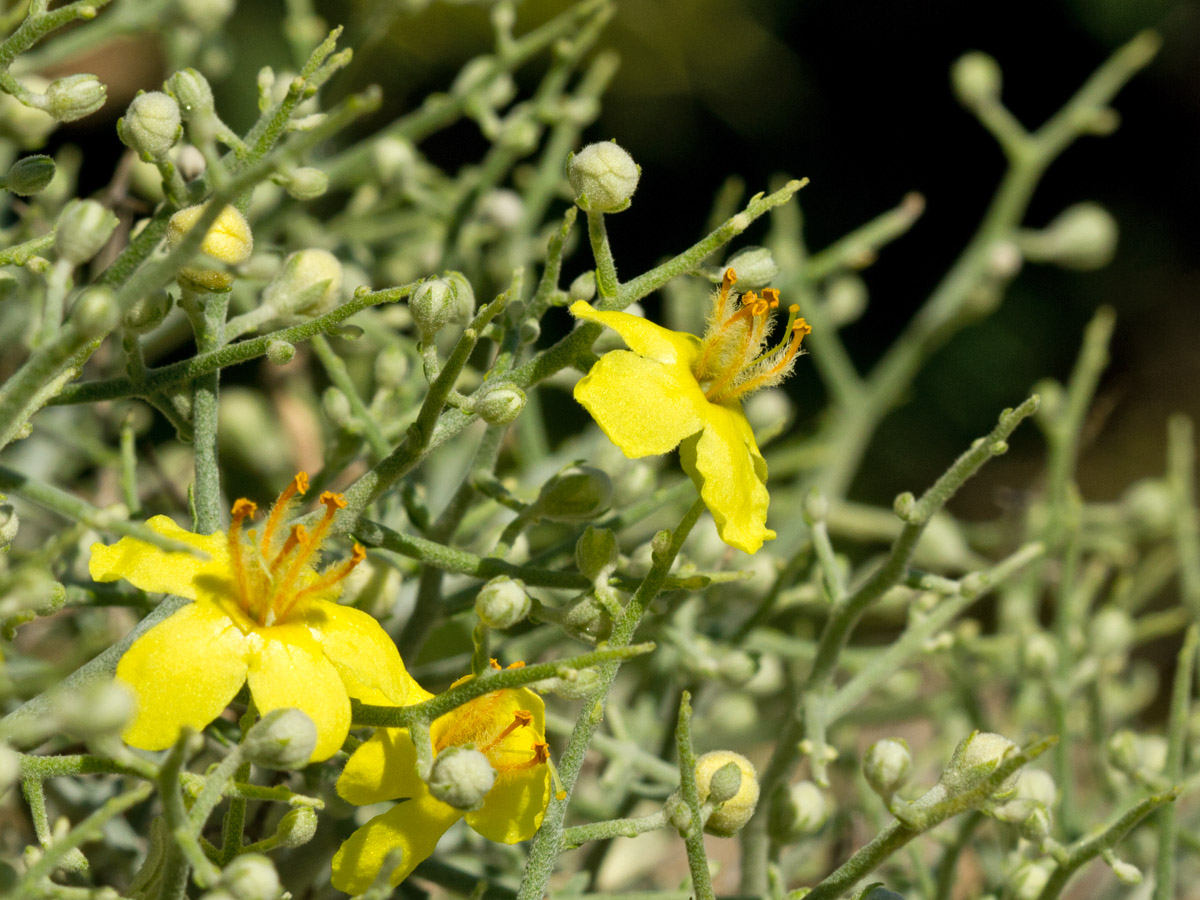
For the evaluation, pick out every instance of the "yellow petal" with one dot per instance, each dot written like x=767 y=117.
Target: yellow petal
x=415 y=826
x=644 y=337
x=481 y=720
x=365 y=657
x=183 y=671
x=382 y=768
x=645 y=407
x=168 y=572
x=288 y=669
x=514 y=807
x=726 y=466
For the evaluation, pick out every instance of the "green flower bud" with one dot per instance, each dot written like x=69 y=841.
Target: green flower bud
x=887 y=765
x=596 y=553
x=336 y=406
x=679 y=814
x=583 y=287
x=147 y=312
x=310 y=283
x=305 y=183
x=393 y=158
x=726 y=783
x=282 y=739
x=101 y=709
x=1137 y=754
x=30 y=175
x=193 y=93
x=502 y=602
x=207 y=15
x=297 y=827
x=975 y=758
x=1039 y=654
x=391 y=366
x=461 y=777
x=729 y=817
x=769 y=409
x=84 y=227
x=755 y=267
x=440 y=301
x=1127 y=873
x=845 y=299
x=501 y=405
x=95 y=313
x=1028 y=880
x=797 y=811
x=151 y=125
x=1150 y=504
x=1082 y=237
x=280 y=352
x=228 y=241
x=576 y=494
x=74 y=97
x=251 y=877
x=976 y=79
x=1110 y=633
x=603 y=177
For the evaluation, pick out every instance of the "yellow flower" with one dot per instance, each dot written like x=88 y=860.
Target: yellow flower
x=263 y=615
x=675 y=389
x=507 y=726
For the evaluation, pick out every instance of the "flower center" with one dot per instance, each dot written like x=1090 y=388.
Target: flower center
x=478 y=723
x=274 y=573
x=735 y=357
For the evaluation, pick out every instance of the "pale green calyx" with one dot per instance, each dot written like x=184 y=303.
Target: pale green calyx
x=603 y=177
x=29 y=176
x=583 y=287
x=74 y=97
x=799 y=810
x=84 y=227
x=193 y=93
x=461 y=777
x=439 y=302
x=976 y=79
x=282 y=739
x=297 y=827
x=304 y=183
x=755 y=267
x=501 y=404
x=95 y=313
x=309 y=283
x=576 y=494
x=251 y=877
x=887 y=765
x=502 y=602
x=975 y=758
x=738 y=806
x=151 y=125
x=596 y=553
x=147 y=312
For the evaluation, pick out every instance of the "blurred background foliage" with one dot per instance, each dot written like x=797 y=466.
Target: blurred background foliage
x=855 y=96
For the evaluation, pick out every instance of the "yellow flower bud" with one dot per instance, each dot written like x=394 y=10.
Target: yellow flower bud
x=228 y=241
x=728 y=818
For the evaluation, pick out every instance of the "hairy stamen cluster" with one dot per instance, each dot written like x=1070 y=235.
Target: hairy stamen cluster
x=274 y=573
x=474 y=724
x=735 y=357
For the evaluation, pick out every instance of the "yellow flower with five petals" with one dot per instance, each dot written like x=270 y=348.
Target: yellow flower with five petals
x=507 y=726
x=263 y=615
x=672 y=389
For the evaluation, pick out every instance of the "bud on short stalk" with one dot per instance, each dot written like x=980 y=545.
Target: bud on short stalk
x=500 y=405
x=30 y=175
x=583 y=287
x=596 y=553
x=797 y=811
x=84 y=227
x=151 y=125
x=282 y=739
x=296 y=828
x=461 y=777
x=976 y=79
x=309 y=283
x=975 y=758
x=147 y=312
x=603 y=177
x=576 y=494
x=502 y=603
x=755 y=267
x=192 y=92
x=439 y=302
x=73 y=97
x=887 y=765
x=727 y=779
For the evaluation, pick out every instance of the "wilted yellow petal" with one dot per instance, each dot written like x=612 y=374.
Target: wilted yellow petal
x=727 y=468
x=415 y=826
x=168 y=572
x=288 y=669
x=183 y=671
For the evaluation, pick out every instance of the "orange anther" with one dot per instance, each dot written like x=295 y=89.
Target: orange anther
x=243 y=509
x=802 y=327
x=332 y=500
x=519 y=664
x=358 y=554
x=523 y=717
x=495 y=663
x=541 y=751
x=301 y=482
x=794 y=308
x=771 y=295
x=729 y=279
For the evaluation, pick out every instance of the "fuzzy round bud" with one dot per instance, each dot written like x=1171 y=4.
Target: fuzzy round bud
x=391 y=366
x=228 y=240
x=976 y=79
x=282 y=739
x=10 y=767
x=1134 y=754
x=755 y=267
x=799 y=810
x=603 y=177
x=596 y=553
x=501 y=405
x=1082 y=237
x=975 y=758
x=30 y=175
x=576 y=494
x=583 y=287
x=147 y=312
x=309 y=283
x=280 y=353
x=192 y=92
x=84 y=227
x=392 y=158
x=305 y=183
x=440 y=301
x=1039 y=653
x=1127 y=873
x=887 y=765
x=251 y=877
x=734 y=811
x=679 y=814
x=845 y=299
x=502 y=602
x=74 y=97
x=1111 y=632
x=297 y=827
x=95 y=313
x=1027 y=882
x=151 y=125
x=461 y=777
x=1150 y=503
x=104 y=708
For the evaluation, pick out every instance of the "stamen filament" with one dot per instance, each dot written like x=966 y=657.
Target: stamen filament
x=310 y=542
x=522 y=718
x=327 y=580
x=298 y=485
